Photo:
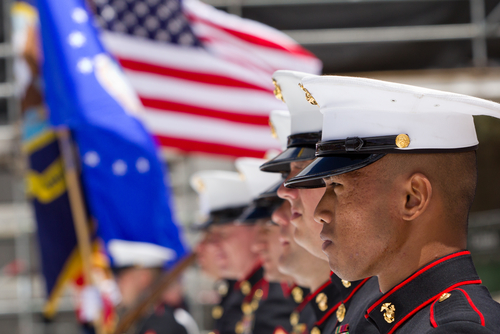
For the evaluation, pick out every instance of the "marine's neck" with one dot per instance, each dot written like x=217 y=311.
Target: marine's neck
x=314 y=279
x=407 y=263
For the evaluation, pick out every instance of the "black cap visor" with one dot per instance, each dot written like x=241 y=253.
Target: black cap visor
x=221 y=217
x=322 y=167
x=272 y=191
x=281 y=163
x=260 y=209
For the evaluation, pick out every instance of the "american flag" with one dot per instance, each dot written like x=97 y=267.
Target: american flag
x=202 y=75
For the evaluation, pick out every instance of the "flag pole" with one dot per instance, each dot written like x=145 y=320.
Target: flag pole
x=78 y=210
x=154 y=294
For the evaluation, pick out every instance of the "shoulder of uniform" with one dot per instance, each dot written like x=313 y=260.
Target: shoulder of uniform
x=461 y=327
x=464 y=305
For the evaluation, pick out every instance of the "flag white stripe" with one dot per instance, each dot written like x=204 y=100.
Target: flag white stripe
x=226 y=46
x=182 y=58
x=211 y=130
x=236 y=23
x=229 y=99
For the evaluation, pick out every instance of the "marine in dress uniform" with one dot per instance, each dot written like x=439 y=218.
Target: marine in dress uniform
x=306 y=125
x=306 y=269
x=274 y=297
x=223 y=196
x=418 y=146
x=136 y=266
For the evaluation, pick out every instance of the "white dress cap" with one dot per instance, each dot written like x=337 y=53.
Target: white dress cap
x=305 y=122
x=304 y=116
x=432 y=119
x=142 y=254
x=220 y=190
x=256 y=180
x=364 y=119
x=280 y=123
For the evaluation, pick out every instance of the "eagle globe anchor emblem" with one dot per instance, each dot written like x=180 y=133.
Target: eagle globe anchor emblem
x=389 y=312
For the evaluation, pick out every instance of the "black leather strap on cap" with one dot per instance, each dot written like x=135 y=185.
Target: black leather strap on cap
x=355 y=145
x=304 y=139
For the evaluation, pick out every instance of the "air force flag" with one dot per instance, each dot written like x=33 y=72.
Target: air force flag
x=85 y=90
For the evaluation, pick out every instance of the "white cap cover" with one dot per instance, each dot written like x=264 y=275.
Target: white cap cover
x=305 y=119
x=256 y=180
x=360 y=107
x=304 y=116
x=280 y=123
x=143 y=254
x=219 y=190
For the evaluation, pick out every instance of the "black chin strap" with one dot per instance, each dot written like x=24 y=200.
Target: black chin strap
x=356 y=144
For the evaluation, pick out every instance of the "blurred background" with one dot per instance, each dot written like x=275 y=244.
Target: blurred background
x=451 y=45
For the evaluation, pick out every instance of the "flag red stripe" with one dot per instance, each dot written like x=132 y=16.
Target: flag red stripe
x=193 y=110
x=211 y=79
x=292 y=48
x=206 y=147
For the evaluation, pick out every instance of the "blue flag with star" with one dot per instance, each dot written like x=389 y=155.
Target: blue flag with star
x=85 y=90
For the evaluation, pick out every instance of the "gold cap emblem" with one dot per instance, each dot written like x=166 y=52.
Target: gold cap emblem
x=246 y=308
x=315 y=330
x=298 y=294
x=277 y=91
x=199 y=185
x=444 y=296
x=322 y=301
x=309 y=97
x=273 y=130
x=217 y=312
x=341 y=312
x=294 y=318
x=245 y=287
x=402 y=141
x=346 y=284
x=389 y=312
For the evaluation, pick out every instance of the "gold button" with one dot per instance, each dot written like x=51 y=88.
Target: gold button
x=294 y=318
x=298 y=294
x=346 y=284
x=254 y=304
x=246 y=308
x=300 y=328
x=222 y=288
x=322 y=301
x=245 y=287
x=389 y=312
x=309 y=97
x=341 y=312
x=315 y=330
x=444 y=296
x=239 y=328
x=258 y=294
x=217 y=312
x=402 y=141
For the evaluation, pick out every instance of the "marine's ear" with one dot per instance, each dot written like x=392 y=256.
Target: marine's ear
x=418 y=191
